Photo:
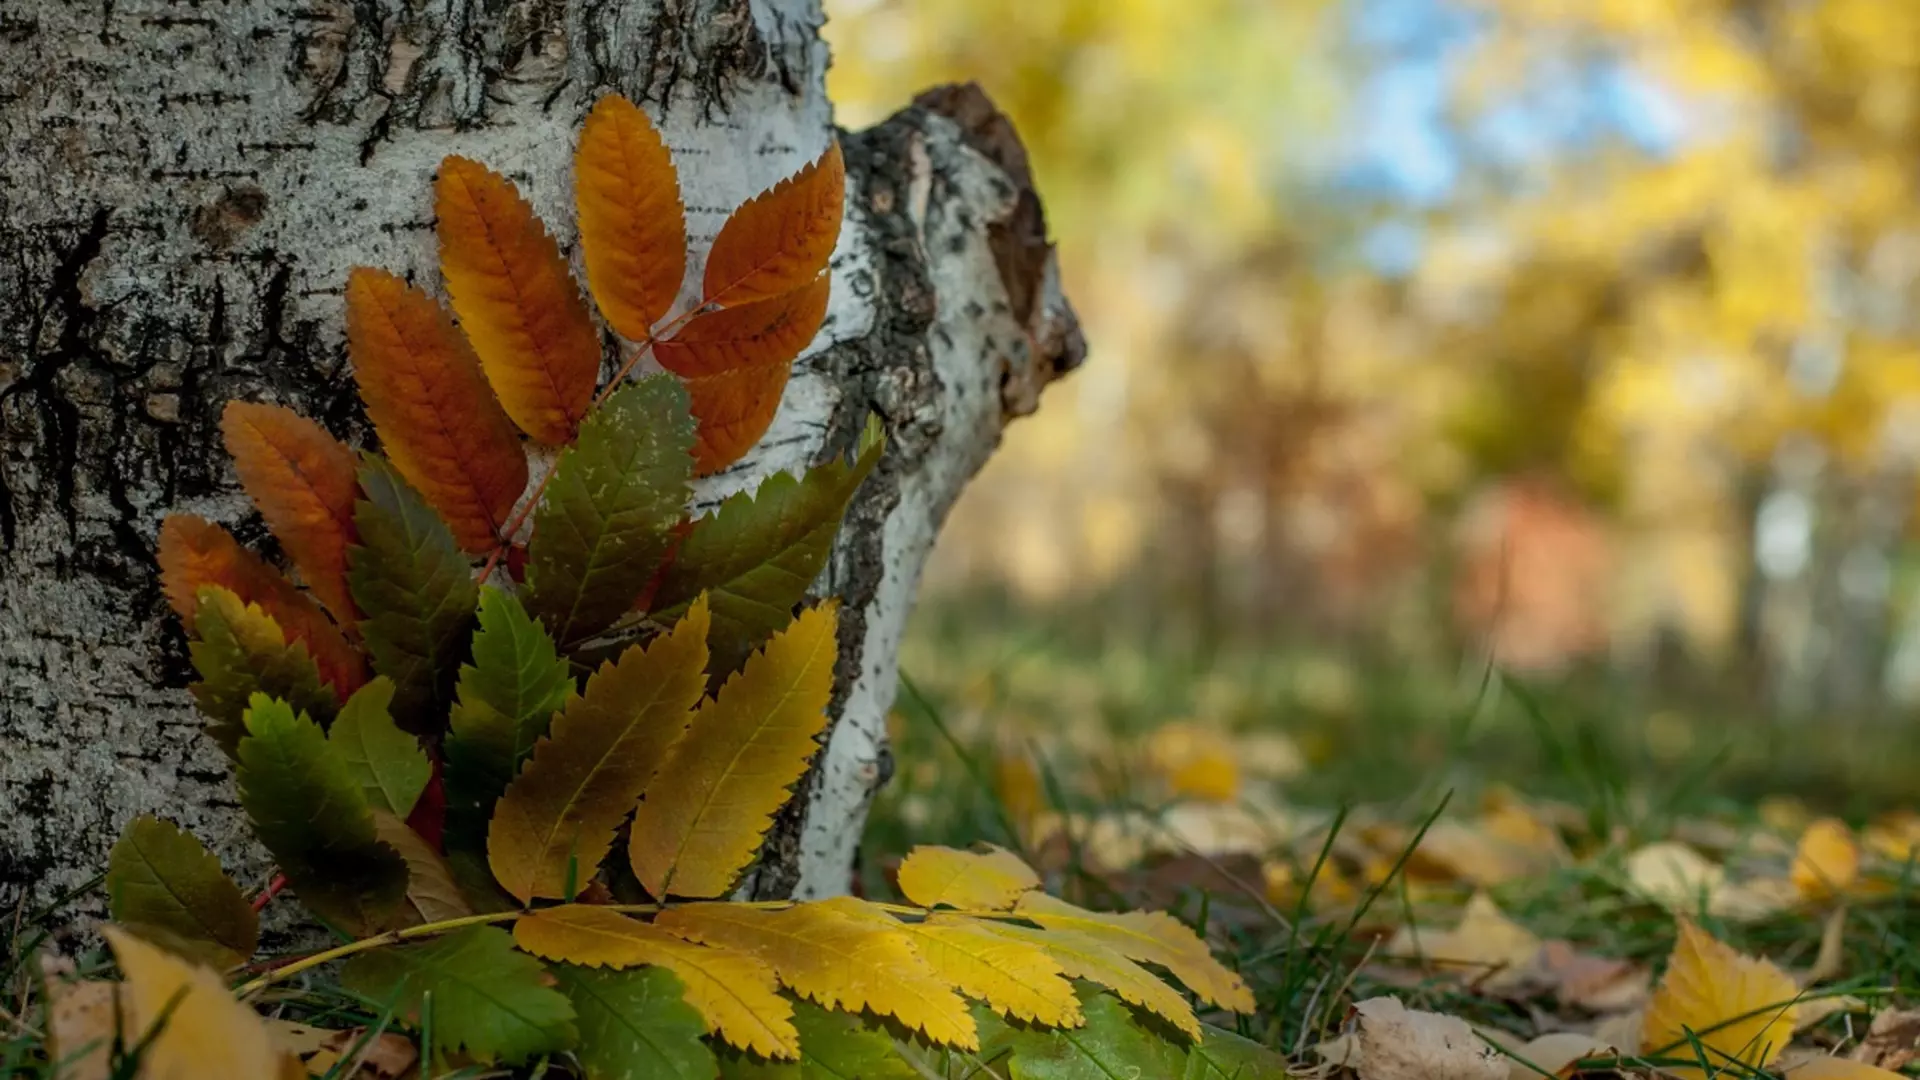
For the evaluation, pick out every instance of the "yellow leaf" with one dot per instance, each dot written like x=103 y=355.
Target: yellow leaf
x=1015 y=977
x=736 y=995
x=1153 y=937
x=205 y=1033
x=705 y=813
x=1741 y=1009
x=1675 y=876
x=633 y=226
x=1818 y=1066
x=1196 y=761
x=1081 y=957
x=991 y=880
x=1827 y=862
x=1486 y=949
x=605 y=747
x=842 y=953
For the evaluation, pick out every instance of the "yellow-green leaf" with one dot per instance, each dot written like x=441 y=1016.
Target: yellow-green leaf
x=737 y=995
x=166 y=887
x=705 y=814
x=557 y=819
x=1152 y=937
x=989 y=880
x=387 y=762
x=472 y=990
x=842 y=953
x=242 y=651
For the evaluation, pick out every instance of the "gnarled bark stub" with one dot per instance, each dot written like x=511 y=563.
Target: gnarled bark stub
x=183 y=187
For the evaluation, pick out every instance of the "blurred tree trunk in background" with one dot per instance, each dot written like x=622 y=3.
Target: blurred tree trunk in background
x=183 y=188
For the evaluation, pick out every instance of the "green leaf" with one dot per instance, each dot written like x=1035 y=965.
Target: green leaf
x=1112 y=1043
x=386 y=762
x=1222 y=1055
x=487 y=999
x=757 y=554
x=242 y=651
x=635 y=1025
x=507 y=698
x=416 y=591
x=608 y=516
x=163 y=885
x=311 y=813
x=833 y=1046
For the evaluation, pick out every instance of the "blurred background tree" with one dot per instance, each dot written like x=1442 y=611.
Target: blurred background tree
x=1576 y=334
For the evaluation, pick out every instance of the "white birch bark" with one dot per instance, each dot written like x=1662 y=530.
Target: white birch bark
x=183 y=187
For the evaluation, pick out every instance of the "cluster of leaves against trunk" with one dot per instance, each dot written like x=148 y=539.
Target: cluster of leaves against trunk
x=519 y=776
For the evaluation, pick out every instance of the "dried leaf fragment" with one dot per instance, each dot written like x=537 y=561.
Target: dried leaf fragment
x=1397 y=1043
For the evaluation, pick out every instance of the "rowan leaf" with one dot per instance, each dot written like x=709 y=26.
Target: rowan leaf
x=736 y=994
x=1084 y=958
x=241 y=651
x=1153 y=937
x=1741 y=1010
x=633 y=226
x=1112 y=1043
x=432 y=893
x=311 y=814
x=833 y=1046
x=557 y=819
x=636 y=1025
x=302 y=480
x=780 y=239
x=842 y=953
x=197 y=1027
x=507 y=697
x=704 y=815
x=608 y=516
x=386 y=762
x=487 y=999
x=516 y=301
x=438 y=420
x=417 y=591
x=736 y=361
x=989 y=880
x=1223 y=1055
x=1014 y=977
x=163 y=885
x=194 y=553
x=756 y=555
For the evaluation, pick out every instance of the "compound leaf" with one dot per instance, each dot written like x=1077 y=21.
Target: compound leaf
x=308 y=810
x=843 y=953
x=736 y=994
x=166 y=887
x=241 y=651
x=302 y=480
x=194 y=553
x=516 y=301
x=507 y=696
x=757 y=554
x=633 y=226
x=780 y=239
x=1223 y=1055
x=1152 y=937
x=736 y=361
x=437 y=417
x=417 y=591
x=487 y=999
x=1084 y=958
x=833 y=1046
x=705 y=813
x=608 y=515
x=386 y=762
x=636 y=1025
x=990 y=880
x=557 y=819
x=1014 y=977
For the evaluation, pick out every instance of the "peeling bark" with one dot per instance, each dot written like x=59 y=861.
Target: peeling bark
x=183 y=187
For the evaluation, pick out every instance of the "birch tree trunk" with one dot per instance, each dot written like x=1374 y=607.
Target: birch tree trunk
x=183 y=187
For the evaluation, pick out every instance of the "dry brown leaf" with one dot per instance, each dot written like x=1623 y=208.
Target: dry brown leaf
x=1398 y=1043
x=1892 y=1040
x=1814 y=1065
x=386 y=1056
x=1555 y=1054
x=80 y=1021
x=1599 y=984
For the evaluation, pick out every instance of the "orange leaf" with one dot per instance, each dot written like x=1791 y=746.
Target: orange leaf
x=440 y=423
x=516 y=301
x=780 y=239
x=633 y=226
x=195 y=553
x=735 y=363
x=302 y=479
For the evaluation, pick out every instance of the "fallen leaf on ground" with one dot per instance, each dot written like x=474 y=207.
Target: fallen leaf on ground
x=80 y=1022
x=1892 y=1040
x=1832 y=958
x=1740 y=1009
x=386 y=1056
x=1398 y=1043
x=1675 y=876
x=1599 y=984
x=1555 y=1054
x=1827 y=862
x=1486 y=949
x=1814 y=1065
